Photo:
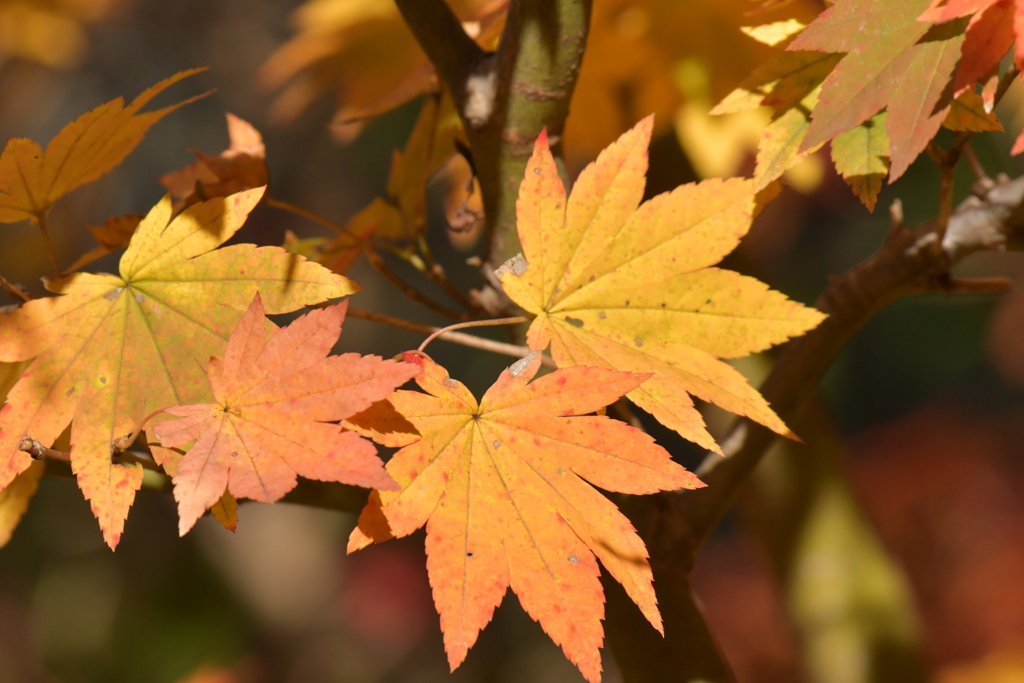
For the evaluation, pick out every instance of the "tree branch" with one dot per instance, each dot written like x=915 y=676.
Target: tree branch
x=675 y=525
x=439 y=32
x=506 y=99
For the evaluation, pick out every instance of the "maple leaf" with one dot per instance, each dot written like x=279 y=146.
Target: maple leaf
x=242 y=166
x=968 y=112
x=861 y=156
x=501 y=487
x=269 y=418
x=112 y=348
x=893 y=62
x=31 y=180
x=15 y=498
x=616 y=284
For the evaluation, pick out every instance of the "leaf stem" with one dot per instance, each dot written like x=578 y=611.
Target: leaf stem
x=309 y=215
x=474 y=323
x=122 y=443
x=41 y=222
x=408 y=290
x=504 y=349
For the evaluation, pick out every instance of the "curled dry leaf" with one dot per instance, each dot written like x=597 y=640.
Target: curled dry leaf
x=113 y=235
x=31 y=180
x=269 y=421
x=242 y=166
x=501 y=486
x=617 y=284
x=112 y=348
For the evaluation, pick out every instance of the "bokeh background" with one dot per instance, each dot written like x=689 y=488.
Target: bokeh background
x=924 y=409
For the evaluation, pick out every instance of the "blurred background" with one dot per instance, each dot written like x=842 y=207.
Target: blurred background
x=920 y=423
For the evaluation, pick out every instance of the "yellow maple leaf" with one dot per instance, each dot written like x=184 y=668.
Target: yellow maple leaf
x=113 y=348
x=31 y=180
x=617 y=284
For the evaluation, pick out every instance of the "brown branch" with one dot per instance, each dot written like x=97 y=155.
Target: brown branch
x=408 y=290
x=675 y=525
x=439 y=32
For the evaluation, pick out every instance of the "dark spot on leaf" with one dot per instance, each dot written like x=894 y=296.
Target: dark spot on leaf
x=639 y=341
x=592 y=278
x=602 y=315
x=663 y=304
x=103 y=380
x=70 y=391
x=627 y=302
x=469 y=554
x=575 y=322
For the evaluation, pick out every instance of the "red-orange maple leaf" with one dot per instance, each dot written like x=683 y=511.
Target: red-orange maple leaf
x=502 y=488
x=270 y=422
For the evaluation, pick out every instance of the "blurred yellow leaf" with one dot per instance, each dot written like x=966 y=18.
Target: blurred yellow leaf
x=774 y=33
x=968 y=112
x=47 y=32
x=363 y=51
x=31 y=180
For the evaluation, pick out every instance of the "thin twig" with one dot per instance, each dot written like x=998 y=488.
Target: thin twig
x=454 y=337
x=315 y=217
x=409 y=291
x=474 y=323
x=15 y=290
x=436 y=274
x=38 y=451
x=41 y=222
x=972 y=159
x=439 y=32
x=122 y=443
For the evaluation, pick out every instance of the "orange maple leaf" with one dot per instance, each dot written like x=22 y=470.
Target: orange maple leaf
x=500 y=486
x=273 y=402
